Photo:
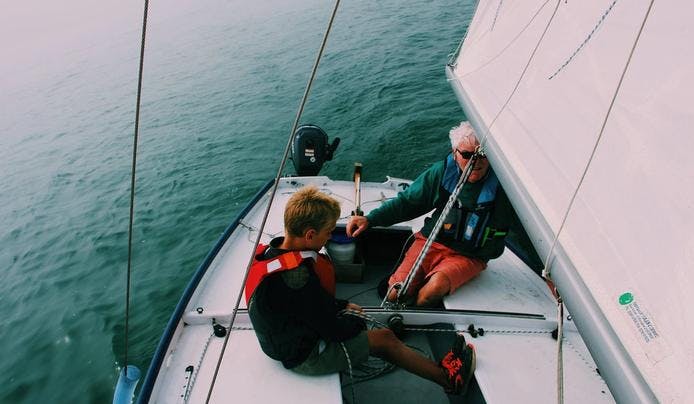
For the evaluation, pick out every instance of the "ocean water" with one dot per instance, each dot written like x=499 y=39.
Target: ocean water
x=222 y=84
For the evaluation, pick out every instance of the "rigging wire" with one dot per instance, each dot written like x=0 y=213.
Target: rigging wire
x=132 y=184
x=483 y=141
x=597 y=141
x=546 y=271
x=488 y=130
x=508 y=45
x=274 y=190
x=560 y=351
x=437 y=227
x=496 y=15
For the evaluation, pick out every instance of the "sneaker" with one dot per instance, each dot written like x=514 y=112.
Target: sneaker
x=459 y=364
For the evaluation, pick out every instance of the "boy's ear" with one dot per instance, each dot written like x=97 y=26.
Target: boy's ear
x=310 y=233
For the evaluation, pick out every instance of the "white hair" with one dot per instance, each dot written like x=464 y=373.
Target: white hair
x=463 y=134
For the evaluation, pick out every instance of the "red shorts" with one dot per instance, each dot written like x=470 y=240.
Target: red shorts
x=457 y=268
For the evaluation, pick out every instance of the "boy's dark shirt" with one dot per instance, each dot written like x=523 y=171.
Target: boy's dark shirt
x=291 y=312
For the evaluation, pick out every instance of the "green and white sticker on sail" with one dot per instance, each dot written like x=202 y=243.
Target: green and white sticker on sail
x=643 y=325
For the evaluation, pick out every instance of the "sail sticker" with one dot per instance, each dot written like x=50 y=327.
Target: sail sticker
x=641 y=319
x=626 y=298
x=654 y=345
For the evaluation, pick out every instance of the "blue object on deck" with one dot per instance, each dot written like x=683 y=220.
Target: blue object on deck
x=125 y=389
x=341 y=238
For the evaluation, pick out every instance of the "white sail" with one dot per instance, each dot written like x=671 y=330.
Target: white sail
x=585 y=108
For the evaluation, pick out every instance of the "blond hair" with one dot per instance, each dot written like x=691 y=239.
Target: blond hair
x=308 y=209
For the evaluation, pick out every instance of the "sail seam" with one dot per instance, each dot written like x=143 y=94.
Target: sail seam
x=520 y=79
x=585 y=41
x=507 y=45
x=597 y=142
x=498 y=8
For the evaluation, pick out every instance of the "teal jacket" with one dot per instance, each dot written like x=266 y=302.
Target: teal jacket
x=427 y=193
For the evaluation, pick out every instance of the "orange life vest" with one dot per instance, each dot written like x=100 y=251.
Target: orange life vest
x=263 y=267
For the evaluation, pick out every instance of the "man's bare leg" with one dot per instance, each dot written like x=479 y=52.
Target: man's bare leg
x=434 y=290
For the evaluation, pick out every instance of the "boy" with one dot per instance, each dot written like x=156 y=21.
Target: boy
x=290 y=292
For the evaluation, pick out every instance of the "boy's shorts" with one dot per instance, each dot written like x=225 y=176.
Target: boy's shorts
x=329 y=357
x=458 y=268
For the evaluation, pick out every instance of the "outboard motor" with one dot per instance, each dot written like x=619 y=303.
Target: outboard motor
x=310 y=149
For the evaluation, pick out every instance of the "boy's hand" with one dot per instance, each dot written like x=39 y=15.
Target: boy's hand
x=356 y=225
x=354 y=307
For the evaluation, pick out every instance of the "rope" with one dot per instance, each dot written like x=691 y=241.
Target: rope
x=371 y=369
x=560 y=351
x=395 y=267
x=349 y=367
x=439 y=223
x=274 y=190
x=546 y=271
x=132 y=187
x=483 y=141
x=196 y=370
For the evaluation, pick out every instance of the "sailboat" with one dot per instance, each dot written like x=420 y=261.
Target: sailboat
x=581 y=109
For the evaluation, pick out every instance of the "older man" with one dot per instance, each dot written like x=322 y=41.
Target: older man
x=473 y=231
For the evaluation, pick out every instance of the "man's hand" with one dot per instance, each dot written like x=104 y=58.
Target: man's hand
x=354 y=307
x=356 y=225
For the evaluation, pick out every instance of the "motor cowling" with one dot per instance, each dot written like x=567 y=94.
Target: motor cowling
x=310 y=149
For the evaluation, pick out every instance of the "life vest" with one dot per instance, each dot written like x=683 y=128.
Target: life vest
x=470 y=226
x=262 y=267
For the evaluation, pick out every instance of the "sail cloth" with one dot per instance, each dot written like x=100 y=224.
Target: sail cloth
x=564 y=108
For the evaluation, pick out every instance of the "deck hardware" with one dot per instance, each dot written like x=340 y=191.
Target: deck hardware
x=474 y=332
x=219 y=330
x=199 y=310
x=189 y=374
x=357 y=190
x=396 y=325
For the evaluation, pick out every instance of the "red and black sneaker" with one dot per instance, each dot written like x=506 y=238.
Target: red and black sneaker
x=459 y=364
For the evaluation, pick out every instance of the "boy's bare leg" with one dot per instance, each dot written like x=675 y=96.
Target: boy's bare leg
x=384 y=344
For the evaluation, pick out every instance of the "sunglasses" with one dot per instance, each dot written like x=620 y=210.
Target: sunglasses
x=466 y=155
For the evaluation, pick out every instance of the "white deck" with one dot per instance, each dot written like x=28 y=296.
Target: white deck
x=522 y=367
x=246 y=374
x=511 y=368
